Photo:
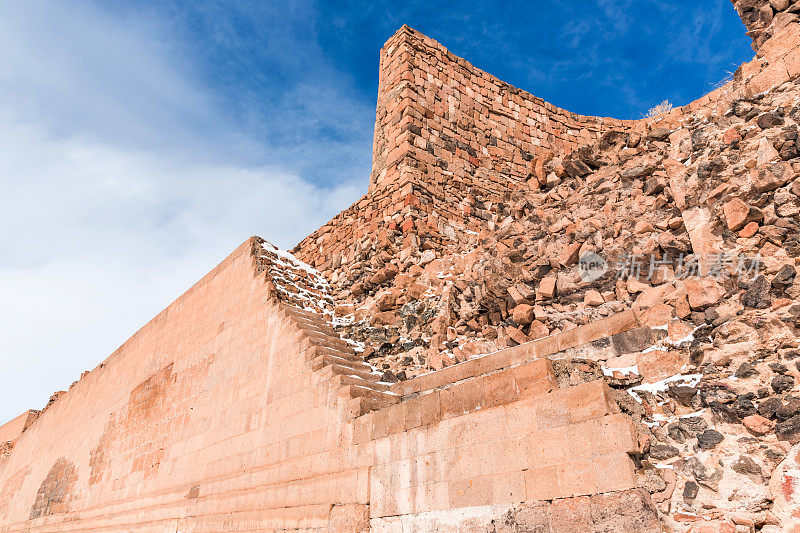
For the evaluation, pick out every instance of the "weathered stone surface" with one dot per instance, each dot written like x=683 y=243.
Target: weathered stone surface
x=703 y=292
x=757 y=295
x=456 y=275
x=738 y=214
x=757 y=424
x=523 y=314
x=789 y=429
x=709 y=439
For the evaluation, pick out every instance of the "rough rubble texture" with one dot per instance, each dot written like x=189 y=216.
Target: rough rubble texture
x=484 y=204
x=714 y=183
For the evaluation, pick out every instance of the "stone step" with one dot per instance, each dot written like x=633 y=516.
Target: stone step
x=357 y=391
x=608 y=328
x=343 y=380
x=362 y=405
x=323 y=360
x=317 y=339
x=317 y=351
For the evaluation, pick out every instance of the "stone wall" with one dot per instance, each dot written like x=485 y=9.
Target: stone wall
x=240 y=408
x=209 y=418
x=446 y=133
x=444 y=120
x=763 y=18
x=234 y=410
x=449 y=136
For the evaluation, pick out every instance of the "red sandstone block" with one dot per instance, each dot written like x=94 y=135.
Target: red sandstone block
x=541 y=484
x=571 y=514
x=533 y=378
x=508 y=487
x=422 y=411
x=546 y=447
x=591 y=400
x=500 y=388
x=380 y=423
x=616 y=432
x=614 y=472
x=786 y=39
x=462 y=398
x=362 y=429
x=581 y=440
x=574 y=404
x=471 y=492
x=576 y=478
x=772 y=76
x=436 y=498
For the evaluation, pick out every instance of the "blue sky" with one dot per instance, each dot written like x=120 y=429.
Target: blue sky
x=143 y=141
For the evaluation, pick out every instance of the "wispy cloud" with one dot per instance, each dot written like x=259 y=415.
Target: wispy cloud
x=125 y=178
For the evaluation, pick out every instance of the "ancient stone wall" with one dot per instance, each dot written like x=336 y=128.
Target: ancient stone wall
x=444 y=120
x=209 y=418
x=445 y=133
x=240 y=407
x=234 y=410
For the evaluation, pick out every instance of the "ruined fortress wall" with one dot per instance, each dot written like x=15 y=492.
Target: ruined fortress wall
x=228 y=411
x=442 y=118
x=445 y=131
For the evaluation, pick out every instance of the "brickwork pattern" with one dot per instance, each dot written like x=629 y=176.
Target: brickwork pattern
x=445 y=133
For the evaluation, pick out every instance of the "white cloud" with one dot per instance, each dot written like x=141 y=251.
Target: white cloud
x=111 y=203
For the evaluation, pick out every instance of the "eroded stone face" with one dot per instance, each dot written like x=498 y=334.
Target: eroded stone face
x=441 y=356
x=56 y=489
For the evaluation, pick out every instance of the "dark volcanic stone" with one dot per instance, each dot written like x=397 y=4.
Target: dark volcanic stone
x=690 y=490
x=744 y=406
x=727 y=412
x=788 y=410
x=699 y=140
x=589 y=156
x=746 y=466
x=692 y=425
x=709 y=439
x=683 y=394
x=389 y=377
x=788 y=429
x=716 y=393
x=653 y=186
x=746 y=370
x=778 y=368
x=676 y=433
x=784 y=278
x=782 y=383
x=769 y=120
x=663 y=451
x=708 y=168
x=769 y=407
x=758 y=296
x=576 y=168
x=638 y=172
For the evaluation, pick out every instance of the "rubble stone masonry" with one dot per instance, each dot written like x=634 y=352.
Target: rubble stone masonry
x=251 y=403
